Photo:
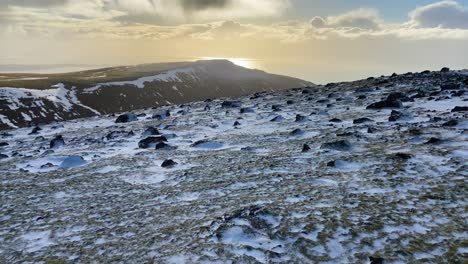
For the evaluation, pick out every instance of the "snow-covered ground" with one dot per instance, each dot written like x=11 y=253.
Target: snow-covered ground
x=245 y=193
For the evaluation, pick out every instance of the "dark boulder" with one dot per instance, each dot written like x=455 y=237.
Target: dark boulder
x=331 y=163
x=35 y=130
x=276 y=108
x=168 y=163
x=376 y=260
x=161 y=115
x=362 y=120
x=398 y=96
x=385 y=104
x=150 y=142
x=150 y=131
x=402 y=156
x=236 y=124
x=3 y=156
x=393 y=101
x=460 y=109
x=445 y=69
x=341 y=145
x=117 y=134
x=336 y=120
x=246 y=110
x=450 y=123
x=57 y=142
x=231 y=104
x=125 y=118
x=3 y=144
x=450 y=86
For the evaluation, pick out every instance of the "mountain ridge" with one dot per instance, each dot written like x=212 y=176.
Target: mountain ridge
x=27 y=99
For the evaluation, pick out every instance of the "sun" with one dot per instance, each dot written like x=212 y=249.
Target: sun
x=243 y=62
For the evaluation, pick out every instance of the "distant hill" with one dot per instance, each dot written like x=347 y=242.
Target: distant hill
x=42 y=98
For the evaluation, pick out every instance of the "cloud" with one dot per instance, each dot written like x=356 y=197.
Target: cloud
x=175 y=11
x=191 y=5
x=445 y=14
x=210 y=20
x=361 y=19
x=32 y=3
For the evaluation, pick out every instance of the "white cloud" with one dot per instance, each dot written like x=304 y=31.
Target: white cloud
x=445 y=14
x=367 y=19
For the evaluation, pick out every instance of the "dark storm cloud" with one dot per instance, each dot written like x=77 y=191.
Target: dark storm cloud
x=196 y=5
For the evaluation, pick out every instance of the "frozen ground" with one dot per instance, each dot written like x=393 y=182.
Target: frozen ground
x=247 y=193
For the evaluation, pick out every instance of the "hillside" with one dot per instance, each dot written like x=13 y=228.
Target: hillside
x=42 y=98
x=372 y=171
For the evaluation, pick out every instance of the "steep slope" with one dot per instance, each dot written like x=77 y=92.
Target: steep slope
x=45 y=98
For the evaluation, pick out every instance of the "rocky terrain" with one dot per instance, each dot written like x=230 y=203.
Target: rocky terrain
x=28 y=99
x=372 y=171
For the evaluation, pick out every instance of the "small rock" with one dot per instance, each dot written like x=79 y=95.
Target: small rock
x=277 y=119
x=3 y=144
x=331 y=163
x=403 y=156
x=336 y=120
x=434 y=140
x=72 y=161
x=125 y=118
x=163 y=146
x=3 y=156
x=47 y=165
x=168 y=163
x=372 y=130
x=297 y=132
x=300 y=118
x=362 y=120
x=395 y=115
x=236 y=124
x=205 y=144
x=57 y=142
x=305 y=148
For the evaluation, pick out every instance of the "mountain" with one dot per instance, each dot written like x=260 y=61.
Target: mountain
x=372 y=171
x=43 y=98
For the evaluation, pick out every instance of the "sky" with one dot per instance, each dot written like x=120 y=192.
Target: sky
x=317 y=40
